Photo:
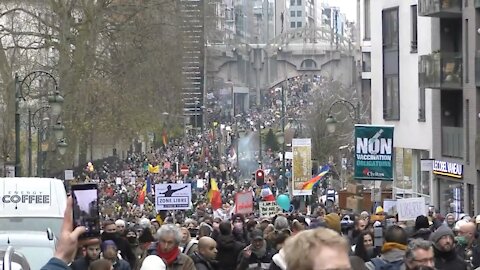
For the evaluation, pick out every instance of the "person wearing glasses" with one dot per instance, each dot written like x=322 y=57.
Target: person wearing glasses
x=419 y=254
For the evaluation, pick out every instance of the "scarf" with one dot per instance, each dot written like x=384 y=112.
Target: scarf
x=391 y=245
x=261 y=251
x=170 y=256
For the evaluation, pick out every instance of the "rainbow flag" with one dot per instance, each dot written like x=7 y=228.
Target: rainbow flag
x=316 y=180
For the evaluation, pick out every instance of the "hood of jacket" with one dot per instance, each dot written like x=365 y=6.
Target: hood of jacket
x=226 y=242
x=393 y=255
x=279 y=260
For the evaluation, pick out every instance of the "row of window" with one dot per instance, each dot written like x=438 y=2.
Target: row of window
x=295 y=25
x=292 y=2
x=299 y=13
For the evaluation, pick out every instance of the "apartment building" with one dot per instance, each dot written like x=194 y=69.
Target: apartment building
x=449 y=70
x=390 y=55
x=420 y=64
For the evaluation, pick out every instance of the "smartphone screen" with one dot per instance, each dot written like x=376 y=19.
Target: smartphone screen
x=85 y=208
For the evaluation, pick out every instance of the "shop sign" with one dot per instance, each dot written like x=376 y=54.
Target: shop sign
x=446 y=168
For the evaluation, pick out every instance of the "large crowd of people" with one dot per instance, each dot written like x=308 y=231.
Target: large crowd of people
x=136 y=236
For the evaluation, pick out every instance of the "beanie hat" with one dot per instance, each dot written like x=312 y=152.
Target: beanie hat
x=281 y=223
x=153 y=262
x=421 y=223
x=441 y=232
x=108 y=243
x=333 y=222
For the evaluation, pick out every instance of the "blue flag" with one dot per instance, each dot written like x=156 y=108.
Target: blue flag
x=149 y=185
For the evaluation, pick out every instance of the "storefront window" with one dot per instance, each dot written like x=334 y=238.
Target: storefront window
x=451 y=197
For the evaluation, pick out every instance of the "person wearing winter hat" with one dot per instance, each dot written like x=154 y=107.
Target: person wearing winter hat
x=446 y=256
x=257 y=253
x=332 y=221
x=153 y=262
x=281 y=223
x=450 y=220
x=422 y=228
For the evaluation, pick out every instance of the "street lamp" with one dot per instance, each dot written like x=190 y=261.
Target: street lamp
x=55 y=101
x=62 y=147
x=332 y=122
x=58 y=130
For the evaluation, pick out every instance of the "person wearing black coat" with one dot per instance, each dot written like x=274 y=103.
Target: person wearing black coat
x=422 y=228
x=446 y=257
x=92 y=254
x=228 y=248
x=204 y=257
x=122 y=244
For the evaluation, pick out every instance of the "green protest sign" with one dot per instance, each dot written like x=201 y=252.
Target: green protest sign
x=373 y=152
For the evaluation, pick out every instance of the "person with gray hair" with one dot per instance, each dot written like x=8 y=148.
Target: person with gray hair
x=281 y=223
x=419 y=253
x=169 y=237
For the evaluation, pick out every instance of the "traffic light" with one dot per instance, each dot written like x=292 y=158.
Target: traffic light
x=260 y=178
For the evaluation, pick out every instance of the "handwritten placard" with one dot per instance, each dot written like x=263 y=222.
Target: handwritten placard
x=268 y=209
x=390 y=207
x=411 y=208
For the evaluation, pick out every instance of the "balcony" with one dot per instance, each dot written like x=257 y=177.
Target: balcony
x=452 y=142
x=440 y=8
x=441 y=71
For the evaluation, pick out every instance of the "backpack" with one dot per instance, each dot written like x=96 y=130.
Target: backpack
x=381 y=264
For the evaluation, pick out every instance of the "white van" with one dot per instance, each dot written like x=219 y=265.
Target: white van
x=32 y=204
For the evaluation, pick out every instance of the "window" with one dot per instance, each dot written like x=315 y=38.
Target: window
x=467 y=56
x=367 y=20
x=366 y=62
x=299 y=13
x=421 y=105
x=292 y=2
x=414 y=16
x=299 y=24
x=292 y=24
x=292 y=13
x=299 y=2
x=391 y=87
x=467 y=130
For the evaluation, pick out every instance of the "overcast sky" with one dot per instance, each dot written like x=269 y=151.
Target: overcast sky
x=349 y=7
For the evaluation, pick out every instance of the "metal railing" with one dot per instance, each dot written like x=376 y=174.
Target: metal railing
x=441 y=71
x=440 y=8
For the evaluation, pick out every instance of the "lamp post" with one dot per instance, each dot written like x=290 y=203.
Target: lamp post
x=332 y=122
x=23 y=89
x=284 y=166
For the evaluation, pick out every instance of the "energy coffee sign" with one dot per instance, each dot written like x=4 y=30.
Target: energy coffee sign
x=373 y=152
